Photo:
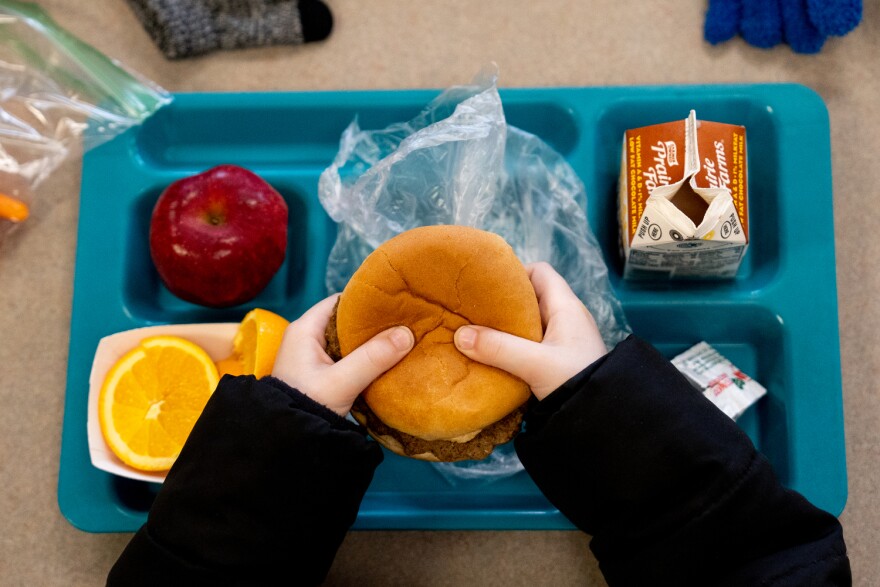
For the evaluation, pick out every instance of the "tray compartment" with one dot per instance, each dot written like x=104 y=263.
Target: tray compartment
x=761 y=262
x=289 y=133
x=281 y=134
x=310 y=234
x=133 y=496
x=556 y=124
x=753 y=337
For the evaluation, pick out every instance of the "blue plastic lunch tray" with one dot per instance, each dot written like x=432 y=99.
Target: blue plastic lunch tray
x=777 y=320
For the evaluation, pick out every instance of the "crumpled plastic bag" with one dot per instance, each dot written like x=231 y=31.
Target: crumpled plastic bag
x=58 y=97
x=459 y=162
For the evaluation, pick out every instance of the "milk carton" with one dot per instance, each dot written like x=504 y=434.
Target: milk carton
x=683 y=200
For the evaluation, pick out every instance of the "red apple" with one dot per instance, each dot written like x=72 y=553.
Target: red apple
x=219 y=236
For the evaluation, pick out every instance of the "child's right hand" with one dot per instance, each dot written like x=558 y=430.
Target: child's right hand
x=571 y=338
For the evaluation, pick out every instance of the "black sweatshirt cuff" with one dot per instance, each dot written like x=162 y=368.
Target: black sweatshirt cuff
x=303 y=402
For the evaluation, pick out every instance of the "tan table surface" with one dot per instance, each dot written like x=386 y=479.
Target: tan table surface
x=434 y=44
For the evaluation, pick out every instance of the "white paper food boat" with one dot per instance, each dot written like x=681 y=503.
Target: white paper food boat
x=216 y=339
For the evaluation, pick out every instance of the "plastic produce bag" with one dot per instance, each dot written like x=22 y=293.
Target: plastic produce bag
x=459 y=162
x=58 y=96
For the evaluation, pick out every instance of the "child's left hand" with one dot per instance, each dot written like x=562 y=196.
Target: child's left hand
x=303 y=363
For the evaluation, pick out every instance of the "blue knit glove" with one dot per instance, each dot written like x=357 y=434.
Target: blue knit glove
x=803 y=24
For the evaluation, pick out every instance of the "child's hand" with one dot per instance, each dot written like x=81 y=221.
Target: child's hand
x=571 y=338
x=302 y=362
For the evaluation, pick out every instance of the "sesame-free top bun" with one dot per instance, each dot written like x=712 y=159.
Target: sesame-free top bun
x=433 y=280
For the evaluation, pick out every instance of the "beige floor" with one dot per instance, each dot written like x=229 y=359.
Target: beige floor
x=404 y=44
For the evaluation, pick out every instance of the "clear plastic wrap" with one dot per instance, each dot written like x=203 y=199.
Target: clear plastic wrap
x=459 y=162
x=58 y=96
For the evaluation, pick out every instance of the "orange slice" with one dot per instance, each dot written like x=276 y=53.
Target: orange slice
x=13 y=209
x=231 y=365
x=255 y=344
x=152 y=397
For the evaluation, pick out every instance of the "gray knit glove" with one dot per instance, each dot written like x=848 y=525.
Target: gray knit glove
x=185 y=28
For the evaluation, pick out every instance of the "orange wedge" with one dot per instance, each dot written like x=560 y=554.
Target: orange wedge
x=152 y=397
x=231 y=365
x=13 y=209
x=255 y=344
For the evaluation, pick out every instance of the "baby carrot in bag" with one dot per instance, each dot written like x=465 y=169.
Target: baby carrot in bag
x=13 y=209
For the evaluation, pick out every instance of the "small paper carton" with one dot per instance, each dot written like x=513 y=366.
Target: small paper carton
x=720 y=380
x=683 y=200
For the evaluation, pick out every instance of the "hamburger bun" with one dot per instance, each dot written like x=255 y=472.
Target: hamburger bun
x=436 y=404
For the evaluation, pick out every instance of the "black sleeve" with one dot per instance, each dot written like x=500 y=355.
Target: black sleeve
x=671 y=490
x=264 y=490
